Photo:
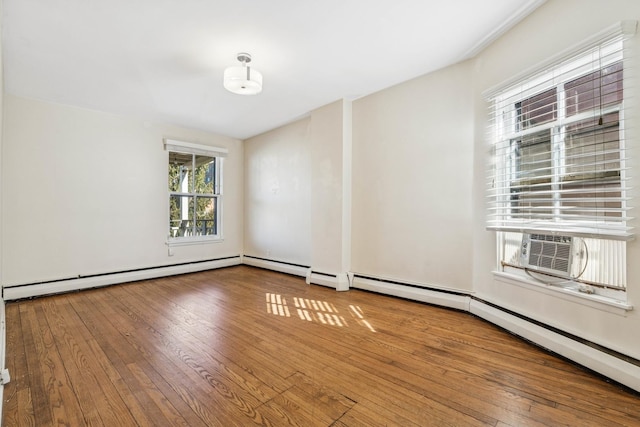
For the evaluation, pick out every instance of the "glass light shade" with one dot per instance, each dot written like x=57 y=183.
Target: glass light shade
x=243 y=80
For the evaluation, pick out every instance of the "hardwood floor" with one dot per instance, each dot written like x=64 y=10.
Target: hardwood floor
x=242 y=346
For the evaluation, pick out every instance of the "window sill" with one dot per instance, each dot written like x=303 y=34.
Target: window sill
x=187 y=241
x=570 y=293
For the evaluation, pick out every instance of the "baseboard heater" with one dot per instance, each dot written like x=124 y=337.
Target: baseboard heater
x=276 y=265
x=339 y=282
x=28 y=290
x=417 y=292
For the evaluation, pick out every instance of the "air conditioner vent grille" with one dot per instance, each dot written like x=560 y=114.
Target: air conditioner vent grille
x=547 y=253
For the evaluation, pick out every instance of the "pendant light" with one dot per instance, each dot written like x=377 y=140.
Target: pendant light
x=242 y=79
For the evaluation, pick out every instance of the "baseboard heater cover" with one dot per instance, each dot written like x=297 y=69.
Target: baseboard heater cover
x=430 y=295
x=15 y=292
x=617 y=368
x=275 y=265
x=339 y=282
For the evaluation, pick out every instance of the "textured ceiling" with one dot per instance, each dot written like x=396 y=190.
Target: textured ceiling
x=163 y=60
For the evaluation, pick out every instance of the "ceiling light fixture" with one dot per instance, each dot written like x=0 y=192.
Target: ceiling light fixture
x=241 y=79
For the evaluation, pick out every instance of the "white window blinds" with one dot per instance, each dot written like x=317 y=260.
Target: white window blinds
x=560 y=158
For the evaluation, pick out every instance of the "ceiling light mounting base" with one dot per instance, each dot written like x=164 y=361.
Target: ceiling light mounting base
x=243 y=57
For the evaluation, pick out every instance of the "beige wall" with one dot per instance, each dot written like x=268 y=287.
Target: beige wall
x=329 y=252
x=86 y=193
x=294 y=193
x=277 y=194
x=412 y=180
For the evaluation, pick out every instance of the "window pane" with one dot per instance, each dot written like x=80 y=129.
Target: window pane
x=592 y=150
x=538 y=109
x=180 y=216
x=591 y=201
x=531 y=158
x=180 y=165
x=591 y=185
x=532 y=202
x=590 y=91
x=205 y=175
x=531 y=195
x=193 y=195
x=206 y=216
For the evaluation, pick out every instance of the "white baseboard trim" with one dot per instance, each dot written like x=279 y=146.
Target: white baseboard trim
x=599 y=361
x=339 y=282
x=283 y=267
x=457 y=300
x=55 y=287
x=322 y=280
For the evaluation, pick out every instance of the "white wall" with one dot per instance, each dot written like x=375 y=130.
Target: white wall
x=85 y=192
x=277 y=195
x=518 y=50
x=412 y=180
x=328 y=170
x=297 y=179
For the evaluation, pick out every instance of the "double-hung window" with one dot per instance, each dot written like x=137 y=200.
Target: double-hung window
x=195 y=192
x=561 y=162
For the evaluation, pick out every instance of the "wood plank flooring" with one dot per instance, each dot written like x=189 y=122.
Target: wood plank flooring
x=242 y=346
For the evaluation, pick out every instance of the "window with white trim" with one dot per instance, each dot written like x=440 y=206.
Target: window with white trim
x=561 y=163
x=195 y=191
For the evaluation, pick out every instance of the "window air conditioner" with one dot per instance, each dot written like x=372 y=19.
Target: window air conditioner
x=547 y=253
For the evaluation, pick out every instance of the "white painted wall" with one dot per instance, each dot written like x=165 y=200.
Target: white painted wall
x=85 y=192
x=296 y=179
x=326 y=138
x=518 y=50
x=412 y=180
x=277 y=194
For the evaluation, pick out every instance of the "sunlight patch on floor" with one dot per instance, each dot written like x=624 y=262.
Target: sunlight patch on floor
x=356 y=311
x=311 y=310
x=277 y=304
